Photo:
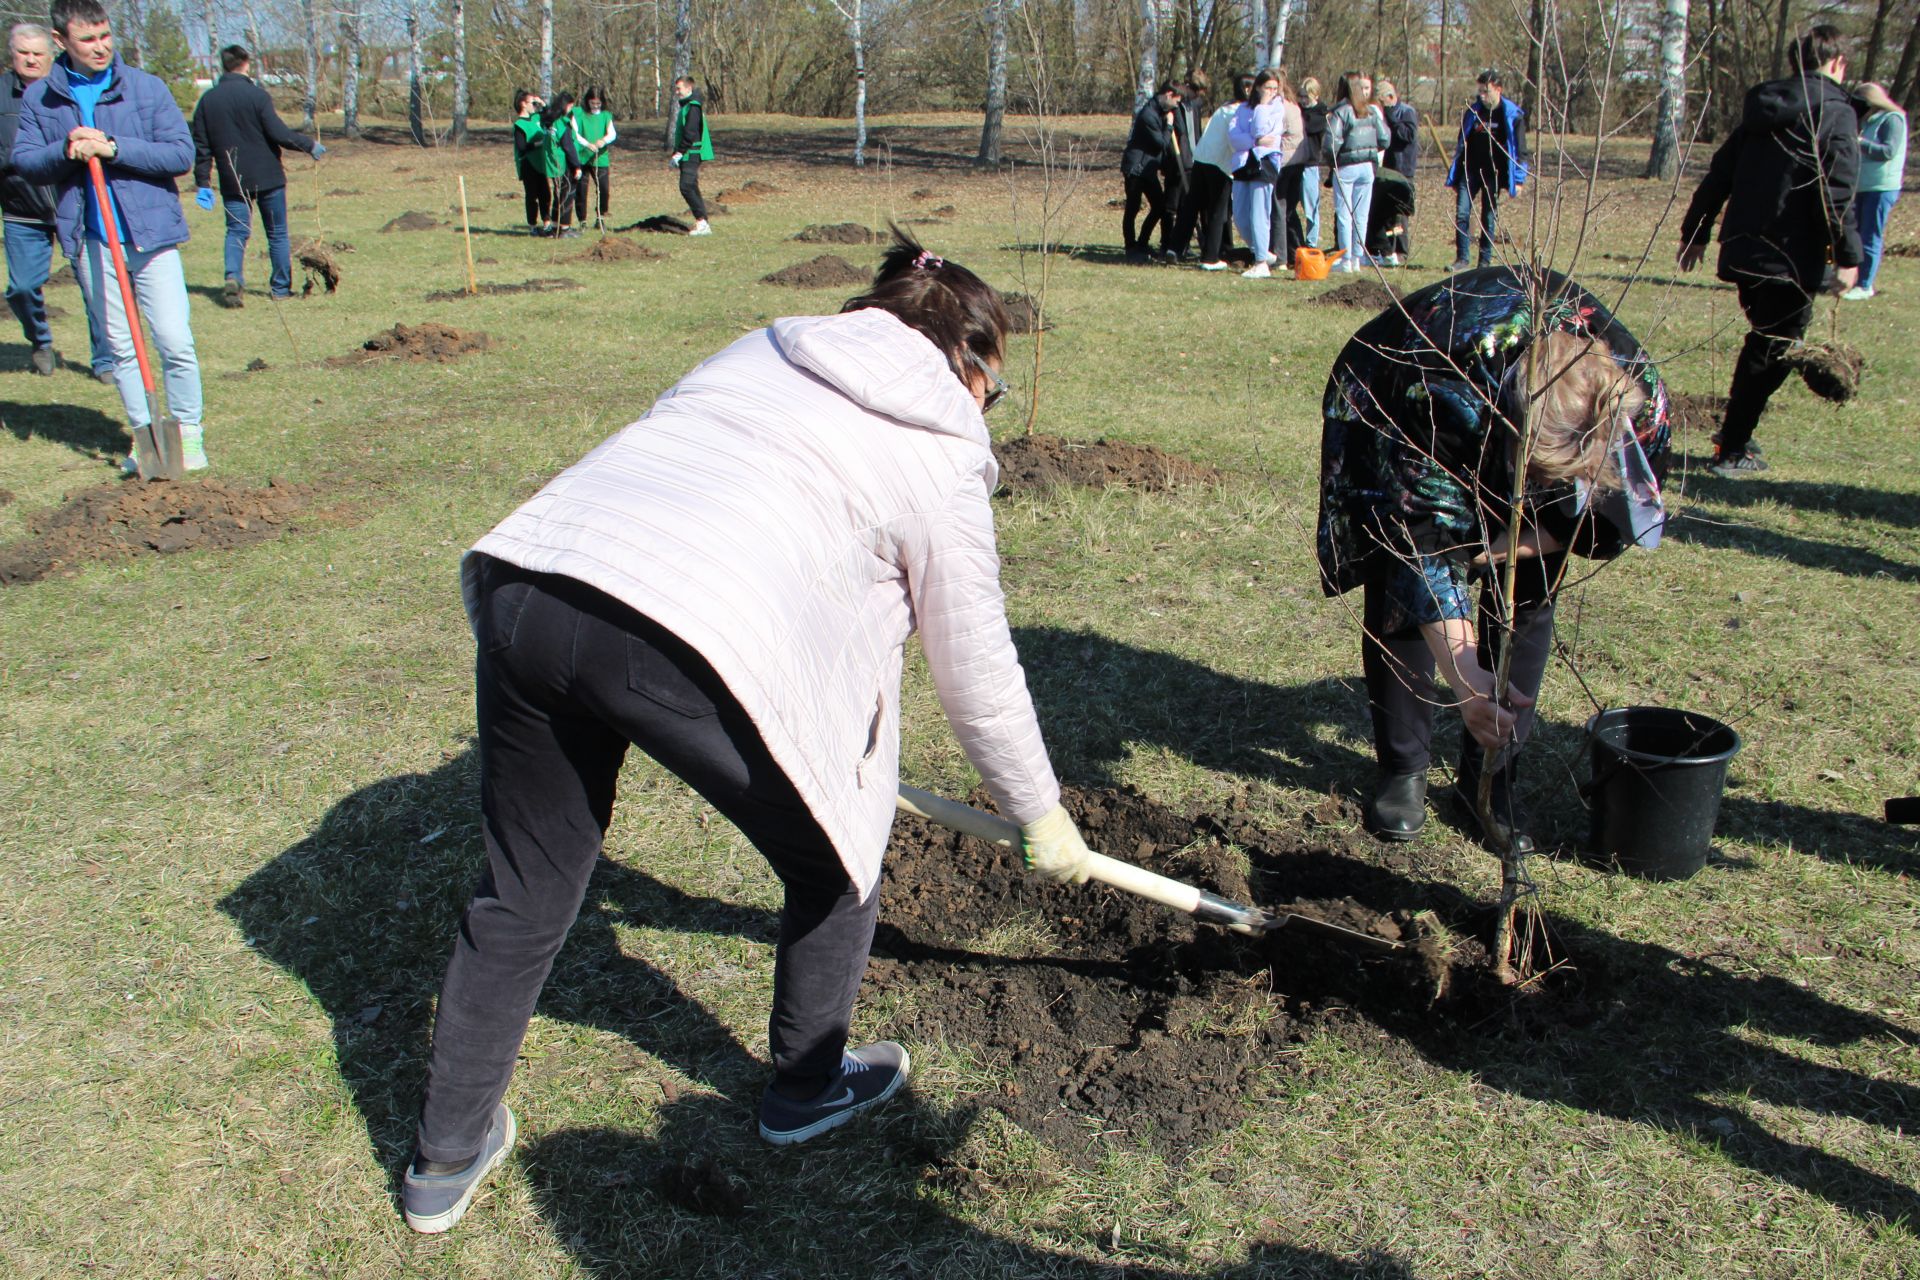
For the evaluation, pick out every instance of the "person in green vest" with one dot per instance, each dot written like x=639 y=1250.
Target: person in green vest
x=593 y=136
x=529 y=161
x=561 y=159
x=691 y=145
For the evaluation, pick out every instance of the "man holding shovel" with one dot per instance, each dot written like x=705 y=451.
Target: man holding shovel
x=93 y=106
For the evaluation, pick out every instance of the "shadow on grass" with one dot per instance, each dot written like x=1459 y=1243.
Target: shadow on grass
x=1854 y=562
x=1885 y=506
x=86 y=430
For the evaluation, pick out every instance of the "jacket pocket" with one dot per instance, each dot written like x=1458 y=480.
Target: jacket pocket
x=875 y=727
x=657 y=678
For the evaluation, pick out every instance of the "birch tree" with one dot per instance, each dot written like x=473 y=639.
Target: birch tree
x=546 y=48
x=996 y=106
x=1664 y=158
x=1256 y=34
x=855 y=14
x=461 y=99
x=350 y=69
x=310 y=91
x=213 y=37
x=1151 y=14
x=682 y=55
x=1282 y=16
x=416 y=106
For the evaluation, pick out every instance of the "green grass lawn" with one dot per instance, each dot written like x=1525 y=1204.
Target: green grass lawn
x=238 y=809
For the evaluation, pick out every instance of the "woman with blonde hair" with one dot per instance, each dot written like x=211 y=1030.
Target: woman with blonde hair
x=1883 y=161
x=1422 y=415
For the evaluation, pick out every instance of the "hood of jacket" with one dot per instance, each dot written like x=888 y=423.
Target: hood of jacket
x=880 y=363
x=1780 y=104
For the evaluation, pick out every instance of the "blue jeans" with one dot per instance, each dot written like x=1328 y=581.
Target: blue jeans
x=29 y=263
x=1463 y=219
x=273 y=216
x=1870 y=210
x=1352 y=206
x=1253 y=214
x=1310 y=207
x=160 y=289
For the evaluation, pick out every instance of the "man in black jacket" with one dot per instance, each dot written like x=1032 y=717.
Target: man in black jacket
x=1786 y=176
x=1403 y=153
x=236 y=128
x=1142 y=164
x=28 y=211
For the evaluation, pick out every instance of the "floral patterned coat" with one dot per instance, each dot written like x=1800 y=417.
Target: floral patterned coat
x=1416 y=454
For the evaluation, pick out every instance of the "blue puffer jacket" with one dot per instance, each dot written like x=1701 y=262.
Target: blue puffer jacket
x=138 y=112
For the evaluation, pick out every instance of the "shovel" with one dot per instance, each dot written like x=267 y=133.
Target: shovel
x=1198 y=903
x=156 y=446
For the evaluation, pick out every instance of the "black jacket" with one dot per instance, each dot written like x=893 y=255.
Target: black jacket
x=1786 y=177
x=1404 y=123
x=1147 y=144
x=236 y=128
x=20 y=200
x=1313 y=122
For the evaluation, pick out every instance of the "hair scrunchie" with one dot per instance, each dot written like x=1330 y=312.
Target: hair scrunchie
x=928 y=260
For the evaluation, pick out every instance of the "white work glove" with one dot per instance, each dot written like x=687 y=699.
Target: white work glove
x=1054 y=849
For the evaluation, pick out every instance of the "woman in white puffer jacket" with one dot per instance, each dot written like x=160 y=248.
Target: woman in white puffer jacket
x=729 y=584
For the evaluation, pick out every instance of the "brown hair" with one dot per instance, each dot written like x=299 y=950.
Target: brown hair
x=1583 y=401
x=1344 y=92
x=950 y=306
x=1814 y=50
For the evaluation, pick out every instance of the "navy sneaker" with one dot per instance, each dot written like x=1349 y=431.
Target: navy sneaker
x=868 y=1076
x=1731 y=466
x=433 y=1202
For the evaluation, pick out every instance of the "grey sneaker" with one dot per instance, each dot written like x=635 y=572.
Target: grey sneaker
x=107 y=376
x=45 y=360
x=232 y=295
x=868 y=1076
x=433 y=1202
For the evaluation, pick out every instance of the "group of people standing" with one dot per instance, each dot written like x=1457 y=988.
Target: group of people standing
x=563 y=153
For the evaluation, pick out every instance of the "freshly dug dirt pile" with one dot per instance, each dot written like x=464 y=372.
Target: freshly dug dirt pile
x=126 y=519
x=1041 y=461
x=1363 y=294
x=754 y=191
x=413 y=220
x=838 y=233
x=926 y=193
x=544 y=284
x=1696 y=415
x=827 y=271
x=320 y=266
x=1905 y=249
x=1117 y=1013
x=428 y=343
x=1831 y=370
x=1025 y=315
x=617 y=249
x=344 y=191
x=660 y=224
x=945 y=211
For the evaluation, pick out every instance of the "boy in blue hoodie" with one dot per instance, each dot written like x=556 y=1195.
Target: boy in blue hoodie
x=1489 y=158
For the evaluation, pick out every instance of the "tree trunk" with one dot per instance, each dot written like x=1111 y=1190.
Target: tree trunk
x=996 y=84
x=1257 y=34
x=1880 y=12
x=128 y=32
x=213 y=37
x=310 y=93
x=1536 y=53
x=1663 y=161
x=1282 y=15
x=682 y=55
x=1780 y=38
x=1149 y=52
x=416 y=105
x=1903 y=79
x=546 y=48
x=350 y=69
x=1441 y=106
x=859 y=86
x=461 y=101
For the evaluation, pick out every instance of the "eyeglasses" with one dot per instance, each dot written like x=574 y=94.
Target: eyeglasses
x=1000 y=387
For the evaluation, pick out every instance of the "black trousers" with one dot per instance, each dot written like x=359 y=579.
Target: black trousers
x=538 y=189
x=584 y=188
x=1293 y=189
x=1206 y=206
x=1779 y=311
x=690 y=186
x=566 y=678
x=1145 y=187
x=1399 y=668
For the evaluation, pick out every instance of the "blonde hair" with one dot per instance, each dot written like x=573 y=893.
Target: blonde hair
x=1876 y=97
x=1582 y=401
x=1310 y=87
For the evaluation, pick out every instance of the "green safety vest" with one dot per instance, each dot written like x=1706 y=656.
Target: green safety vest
x=593 y=126
x=555 y=156
x=704 y=151
x=529 y=127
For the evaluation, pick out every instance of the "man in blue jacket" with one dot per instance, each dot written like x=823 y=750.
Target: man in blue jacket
x=93 y=105
x=1489 y=158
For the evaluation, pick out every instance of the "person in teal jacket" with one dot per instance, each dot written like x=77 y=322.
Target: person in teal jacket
x=593 y=137
x=691 y=145
x=1883 y=158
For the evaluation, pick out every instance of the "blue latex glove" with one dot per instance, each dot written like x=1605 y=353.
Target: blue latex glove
x=204 y=198
x=318 y=151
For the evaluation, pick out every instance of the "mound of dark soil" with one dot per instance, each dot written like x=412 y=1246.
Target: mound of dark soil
x=754 y=191
x=945 y=211
x=926 y=193
x=838 y=233
x=1042 y=461
x=319 y=265
x=617 y=249
x=1026 y=315
x=1831 y=370
x=413 y=220
x=828 y=271
x=126 y=519
x=544 y=284
x=344 y=191
x=1364 y=293
x=428 y=343
x=1692 y=413
x=1133 y=1017
x=660 y=224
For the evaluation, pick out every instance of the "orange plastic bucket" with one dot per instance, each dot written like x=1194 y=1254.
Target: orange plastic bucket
x=1312 y=264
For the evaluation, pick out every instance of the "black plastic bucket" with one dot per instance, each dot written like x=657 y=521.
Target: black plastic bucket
x=1658 y=775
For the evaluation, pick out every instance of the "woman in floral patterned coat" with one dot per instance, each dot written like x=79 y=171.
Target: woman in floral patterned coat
x=1422 y=424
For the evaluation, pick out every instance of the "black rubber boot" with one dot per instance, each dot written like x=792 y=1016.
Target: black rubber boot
x=1399 y=806
x=1503 y=828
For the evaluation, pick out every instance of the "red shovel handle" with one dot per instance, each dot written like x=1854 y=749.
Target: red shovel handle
x=110 y=222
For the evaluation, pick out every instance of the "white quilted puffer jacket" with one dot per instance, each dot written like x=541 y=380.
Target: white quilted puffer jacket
x=792 y=509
